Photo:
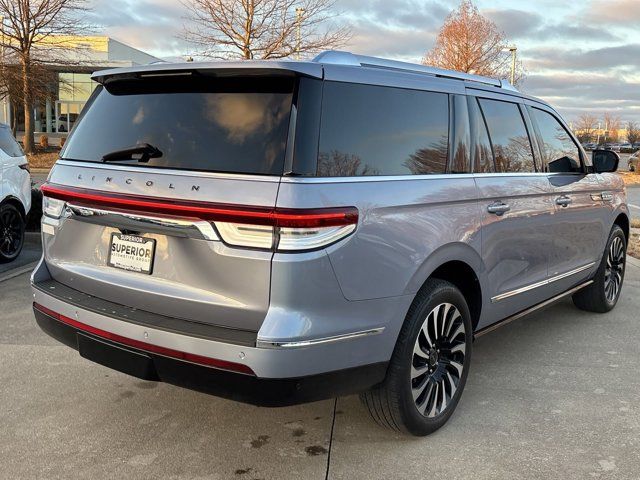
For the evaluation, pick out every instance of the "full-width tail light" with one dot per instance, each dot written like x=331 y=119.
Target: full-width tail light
x=280 y=229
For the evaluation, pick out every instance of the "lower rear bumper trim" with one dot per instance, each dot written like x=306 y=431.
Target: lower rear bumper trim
x=146 y=347
x=153 y=366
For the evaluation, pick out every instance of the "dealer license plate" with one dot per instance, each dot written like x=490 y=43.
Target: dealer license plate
x=131 y=252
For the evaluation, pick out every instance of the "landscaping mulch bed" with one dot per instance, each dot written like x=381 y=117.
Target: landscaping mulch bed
x=634 y=245
x=43 y=158
x=630 y=178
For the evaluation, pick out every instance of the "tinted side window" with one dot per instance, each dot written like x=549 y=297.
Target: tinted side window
x=511 y=144
x=481 y=146
x=559 y=152
x=8 y=144
x=370 y=130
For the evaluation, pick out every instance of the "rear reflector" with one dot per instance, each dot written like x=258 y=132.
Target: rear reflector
x=282 y=229
x=147 y=347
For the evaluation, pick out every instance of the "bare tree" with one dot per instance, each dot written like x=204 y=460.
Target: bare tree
x=471 y=43
x=262 y=29
x=633 y=132
x=339 y=164
x=586 y=127
x=612 y=124
x=34 y=31
x=11 y=87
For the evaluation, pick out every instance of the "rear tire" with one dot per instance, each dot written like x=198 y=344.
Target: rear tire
x=429 y=366
x=603 y=294
x=12 y=227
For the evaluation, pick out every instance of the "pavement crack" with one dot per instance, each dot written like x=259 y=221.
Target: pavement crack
x=333 y=424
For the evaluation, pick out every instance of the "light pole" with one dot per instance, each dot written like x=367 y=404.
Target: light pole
x=299 y=14
x=513 y=62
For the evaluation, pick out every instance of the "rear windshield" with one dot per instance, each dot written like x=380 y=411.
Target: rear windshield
x=233 y=125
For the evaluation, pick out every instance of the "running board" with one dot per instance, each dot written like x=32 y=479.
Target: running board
x=529 y=310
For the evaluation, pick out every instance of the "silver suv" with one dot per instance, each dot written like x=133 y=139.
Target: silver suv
x=281 y=232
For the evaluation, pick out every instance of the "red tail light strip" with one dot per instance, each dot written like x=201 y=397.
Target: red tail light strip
x=277 y=217
x=147 y=347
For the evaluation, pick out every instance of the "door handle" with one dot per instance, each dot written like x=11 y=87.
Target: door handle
x=498 y=208
x=563 y=201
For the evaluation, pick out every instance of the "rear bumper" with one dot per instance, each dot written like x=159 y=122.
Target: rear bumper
x=247 y=388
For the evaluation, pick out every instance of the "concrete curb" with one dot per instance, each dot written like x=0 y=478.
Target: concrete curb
x=18 y=271
x=633 y=261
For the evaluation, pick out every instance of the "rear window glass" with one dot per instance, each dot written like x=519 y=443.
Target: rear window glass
x=232 y=125
x=511 y=144
x=371 y=130
x=8 y=144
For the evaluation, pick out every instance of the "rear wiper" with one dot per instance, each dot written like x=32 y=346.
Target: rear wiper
x=145 y=151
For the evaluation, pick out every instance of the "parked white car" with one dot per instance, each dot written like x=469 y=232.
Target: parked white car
x=15 y=195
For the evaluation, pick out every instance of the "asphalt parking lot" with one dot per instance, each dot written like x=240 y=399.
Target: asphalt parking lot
x=554 y=395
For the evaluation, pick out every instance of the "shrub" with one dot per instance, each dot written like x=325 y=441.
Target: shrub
x=62 y=140
x=44 y=141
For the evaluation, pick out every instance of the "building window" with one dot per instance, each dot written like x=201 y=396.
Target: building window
x=75 y=86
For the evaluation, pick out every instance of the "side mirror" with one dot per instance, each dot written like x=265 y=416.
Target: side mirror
x=604 y=161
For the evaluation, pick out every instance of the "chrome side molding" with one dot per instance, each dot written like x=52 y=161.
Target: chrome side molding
x=512 y=318
x=262 y=343
x=533 y=286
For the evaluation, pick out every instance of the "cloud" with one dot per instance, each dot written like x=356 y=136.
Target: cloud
x=562 y=31
x=150 y=25
x=403 y=29
x=409 y=13
x=597 y=59
x=515 y=23
x=385 y=41
x=586 y=92
x=615 y=12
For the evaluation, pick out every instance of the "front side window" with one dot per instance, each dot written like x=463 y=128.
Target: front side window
x=371 y=130
x=511 y=144
x=559 y=152
x=8 y=144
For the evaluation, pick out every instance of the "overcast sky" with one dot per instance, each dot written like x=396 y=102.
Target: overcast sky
x=580 y=56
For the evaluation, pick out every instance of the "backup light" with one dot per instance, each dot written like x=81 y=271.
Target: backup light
x=52 y=207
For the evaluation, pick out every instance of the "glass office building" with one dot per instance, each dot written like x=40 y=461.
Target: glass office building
x=71 y=83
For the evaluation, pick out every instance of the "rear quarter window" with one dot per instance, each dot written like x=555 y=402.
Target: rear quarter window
x=231 y=125
x=372 y=130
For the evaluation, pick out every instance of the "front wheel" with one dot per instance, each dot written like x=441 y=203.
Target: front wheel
x=430 y=363
x=12 y=227
x=603 y=294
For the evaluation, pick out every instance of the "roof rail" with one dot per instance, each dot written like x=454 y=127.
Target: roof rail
x=347 y=58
